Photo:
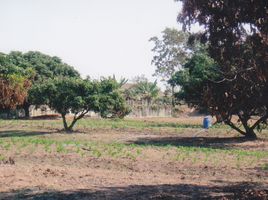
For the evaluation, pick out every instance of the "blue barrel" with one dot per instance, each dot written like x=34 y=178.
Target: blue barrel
x=206 y=122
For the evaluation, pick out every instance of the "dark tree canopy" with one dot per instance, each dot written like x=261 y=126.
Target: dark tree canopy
x=205 y=87
x=236 y=33
x=228 y=24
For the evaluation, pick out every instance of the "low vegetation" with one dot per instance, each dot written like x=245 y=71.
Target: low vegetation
x=126 y=151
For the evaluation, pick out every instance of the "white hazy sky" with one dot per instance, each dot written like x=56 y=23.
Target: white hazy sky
x=97 y=37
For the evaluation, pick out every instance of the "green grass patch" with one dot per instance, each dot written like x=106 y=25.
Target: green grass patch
x=265 y=166
x=121 y=150
x=93 y=123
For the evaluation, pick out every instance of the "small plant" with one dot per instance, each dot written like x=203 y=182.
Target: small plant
x=7 y=146
x=2 y=158
x=60 y=148
x=96 y=153
x=265 y=166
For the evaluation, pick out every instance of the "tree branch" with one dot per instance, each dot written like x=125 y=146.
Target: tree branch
x=231 y=124
x=259 y=121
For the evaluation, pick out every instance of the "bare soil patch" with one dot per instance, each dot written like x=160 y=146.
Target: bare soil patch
x=131 y=164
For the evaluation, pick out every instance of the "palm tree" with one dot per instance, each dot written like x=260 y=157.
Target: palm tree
x=146 y=90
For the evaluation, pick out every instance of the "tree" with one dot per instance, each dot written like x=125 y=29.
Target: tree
x=227 y=26
x=170 y=54
x=112 y=103
x=147 y=90
x=66 y=95
x=203 y=85
x=194 y=78
x=45 y=67
x=236 y=33
x=143 y=89
x=78 y=97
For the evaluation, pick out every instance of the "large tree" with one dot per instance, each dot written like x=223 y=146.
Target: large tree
x=45 y=67
x=170 y=53
x=205 y=86
x=236 y=33
x=227 y=26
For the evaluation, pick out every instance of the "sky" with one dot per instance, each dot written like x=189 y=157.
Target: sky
x=98 y=38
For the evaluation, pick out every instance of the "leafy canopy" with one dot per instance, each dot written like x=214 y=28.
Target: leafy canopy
x=38 y=66
x=236 y=34
x=205 y=86
x=78 y=97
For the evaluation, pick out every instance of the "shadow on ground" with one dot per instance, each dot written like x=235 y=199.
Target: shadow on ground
x=21 y=133
x=177 y=141
x=241 y=191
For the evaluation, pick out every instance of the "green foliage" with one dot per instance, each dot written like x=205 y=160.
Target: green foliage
x=37 y=67
x=83 y=146
x=142 y=89
x=44 y=65
x=111 y=103
x=204 y=84
x=7 y=68
x=78 y=96
x=198 y=72
x=66 y=95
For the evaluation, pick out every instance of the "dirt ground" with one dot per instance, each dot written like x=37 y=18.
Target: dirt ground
x=153 y=174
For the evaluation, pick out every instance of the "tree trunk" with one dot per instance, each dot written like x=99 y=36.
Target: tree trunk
x=250 y=134
x=249 y=131
x=26 y=108
x=172 y=102
x=69 y=128
x=72 y=125
x=65 y=124
x=172 y=97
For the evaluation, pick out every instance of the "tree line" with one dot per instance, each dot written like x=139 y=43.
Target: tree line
x=34 y=78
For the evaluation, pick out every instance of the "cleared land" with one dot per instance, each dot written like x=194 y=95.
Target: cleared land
x=130 y=159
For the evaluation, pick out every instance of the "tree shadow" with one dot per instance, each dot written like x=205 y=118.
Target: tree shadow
x=178 y=141
x=21 y=133
x=143 y=192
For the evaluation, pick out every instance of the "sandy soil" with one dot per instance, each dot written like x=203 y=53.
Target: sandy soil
x=42 y=175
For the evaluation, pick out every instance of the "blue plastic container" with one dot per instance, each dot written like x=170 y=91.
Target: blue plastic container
x=206 y=122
